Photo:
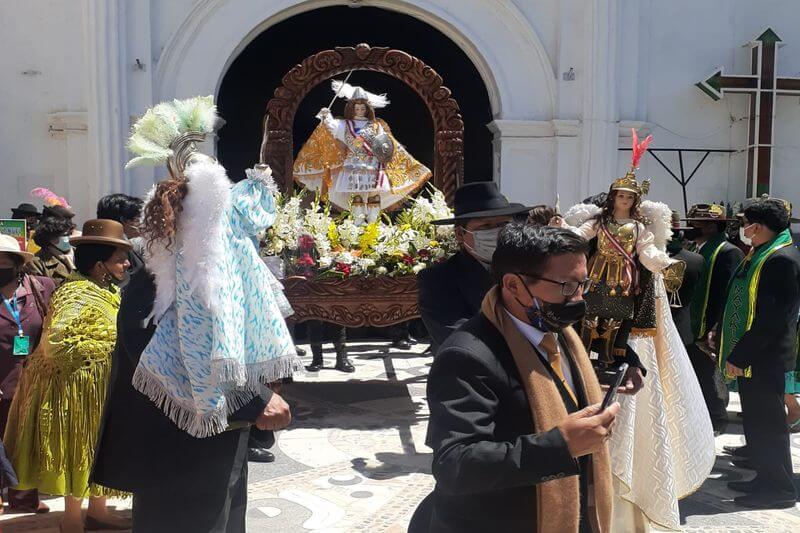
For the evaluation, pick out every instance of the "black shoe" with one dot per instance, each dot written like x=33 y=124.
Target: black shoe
x=260 y=455
x=765 y=500
x=316 y=361
x=315 y=366
x=747 y=487
x=742 y=462
x=300 y=352
x=401 y=344
x=343 y=364
x=736 y=451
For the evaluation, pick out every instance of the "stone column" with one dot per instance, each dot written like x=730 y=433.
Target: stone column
x=106 y=107
x=71 y=127
x=600 y=116
x=524 y=160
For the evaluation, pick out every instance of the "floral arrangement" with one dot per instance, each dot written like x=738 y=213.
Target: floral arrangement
x=313 y=242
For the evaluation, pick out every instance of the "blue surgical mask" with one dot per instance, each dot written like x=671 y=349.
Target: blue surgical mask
x=63 y=244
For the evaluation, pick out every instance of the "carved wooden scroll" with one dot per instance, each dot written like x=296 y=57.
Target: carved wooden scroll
x=354 y=302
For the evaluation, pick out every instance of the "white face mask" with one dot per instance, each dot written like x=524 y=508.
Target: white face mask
x=746 y=240
x=485 y=243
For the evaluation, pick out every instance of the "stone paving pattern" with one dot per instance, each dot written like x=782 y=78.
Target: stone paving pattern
x=355 y=459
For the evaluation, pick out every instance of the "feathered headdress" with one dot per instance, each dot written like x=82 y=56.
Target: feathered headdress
x=358 y=93
x=156 y=136
x=629 y=182
x=49 y=198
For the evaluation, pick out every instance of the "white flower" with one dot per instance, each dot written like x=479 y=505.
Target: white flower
x=365 y=263
x=345 y=258
x=349 y=233
x=416 y=268
x=421 y=241
x=381 y=270
x=325 y=261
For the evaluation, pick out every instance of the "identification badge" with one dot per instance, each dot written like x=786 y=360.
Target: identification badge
x=22 y=346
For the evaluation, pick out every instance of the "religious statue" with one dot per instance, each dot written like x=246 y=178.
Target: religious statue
x=631 y=238
x=664 y=430
x=356 y=161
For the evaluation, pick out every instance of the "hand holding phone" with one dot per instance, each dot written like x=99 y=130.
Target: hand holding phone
x=611 y=394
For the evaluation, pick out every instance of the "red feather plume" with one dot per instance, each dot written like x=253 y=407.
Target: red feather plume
x=639 y=148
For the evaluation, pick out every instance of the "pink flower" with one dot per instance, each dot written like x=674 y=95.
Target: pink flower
x=305 y=260
x=343 y=268
x=305 y=242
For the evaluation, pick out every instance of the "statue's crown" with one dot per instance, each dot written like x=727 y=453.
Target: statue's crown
x=631 y=184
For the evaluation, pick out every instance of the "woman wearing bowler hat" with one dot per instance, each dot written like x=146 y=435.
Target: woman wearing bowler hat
x=55 y=416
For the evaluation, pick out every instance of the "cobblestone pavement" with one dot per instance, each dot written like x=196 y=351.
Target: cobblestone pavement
x=355 y=460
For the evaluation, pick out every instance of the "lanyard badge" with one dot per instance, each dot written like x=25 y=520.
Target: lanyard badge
x=22 y=342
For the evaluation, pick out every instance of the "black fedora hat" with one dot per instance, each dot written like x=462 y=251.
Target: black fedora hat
x=481 y=199
x=25 y=211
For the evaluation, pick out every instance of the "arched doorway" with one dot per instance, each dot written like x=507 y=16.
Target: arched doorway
x=248 y=84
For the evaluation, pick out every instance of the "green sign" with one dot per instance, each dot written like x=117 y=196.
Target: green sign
x=17 y=229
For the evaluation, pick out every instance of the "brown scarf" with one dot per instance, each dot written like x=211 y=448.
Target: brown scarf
x=558 y=500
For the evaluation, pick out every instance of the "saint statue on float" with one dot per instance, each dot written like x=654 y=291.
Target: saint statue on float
x=355 y=161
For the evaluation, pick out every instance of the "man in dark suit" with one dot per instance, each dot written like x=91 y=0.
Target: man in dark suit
x=179 y=482
x=451 y=292
x=757 y=340
x=681 y=314
x=508 y=394
x=720 y=259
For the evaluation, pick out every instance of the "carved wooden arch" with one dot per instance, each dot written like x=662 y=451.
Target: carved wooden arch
x=448 y=171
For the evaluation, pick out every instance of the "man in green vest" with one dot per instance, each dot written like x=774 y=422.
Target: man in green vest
x=720 y=259
x=757 y=340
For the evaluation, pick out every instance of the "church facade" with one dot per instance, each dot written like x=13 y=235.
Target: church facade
x=564 y=82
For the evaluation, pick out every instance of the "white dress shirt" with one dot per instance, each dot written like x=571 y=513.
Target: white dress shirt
x=535 y=337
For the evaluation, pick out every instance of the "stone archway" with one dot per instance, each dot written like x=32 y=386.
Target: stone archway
x=277 y=150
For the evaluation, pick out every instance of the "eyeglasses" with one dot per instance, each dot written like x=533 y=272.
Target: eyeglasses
x=568 y=288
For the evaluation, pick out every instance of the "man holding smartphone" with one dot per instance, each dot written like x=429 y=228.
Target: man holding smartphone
x=518 y=436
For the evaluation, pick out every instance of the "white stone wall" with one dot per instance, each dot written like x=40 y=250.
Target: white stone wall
x=71 y=64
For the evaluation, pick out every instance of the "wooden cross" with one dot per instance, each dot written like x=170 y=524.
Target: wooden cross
x=763 y=85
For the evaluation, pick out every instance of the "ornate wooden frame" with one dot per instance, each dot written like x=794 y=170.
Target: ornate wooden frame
x=448 y=168
x=361 y=301
x=354 y=302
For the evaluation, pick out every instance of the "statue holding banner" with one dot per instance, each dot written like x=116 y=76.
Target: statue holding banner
x=356 y=161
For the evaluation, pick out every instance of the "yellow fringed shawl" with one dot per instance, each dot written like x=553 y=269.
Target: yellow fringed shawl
x=55 y=416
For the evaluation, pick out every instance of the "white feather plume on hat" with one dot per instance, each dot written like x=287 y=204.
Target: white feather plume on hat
x=350 y=92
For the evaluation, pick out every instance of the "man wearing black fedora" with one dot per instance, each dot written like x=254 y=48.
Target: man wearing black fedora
x=451 y=292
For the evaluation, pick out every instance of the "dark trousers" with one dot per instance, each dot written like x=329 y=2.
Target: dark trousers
x=320 y=332
x=17 y=499
x=706 y=369
x=210 y=508
x=767 y=434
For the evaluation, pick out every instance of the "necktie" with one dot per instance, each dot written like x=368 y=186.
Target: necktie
x=550 y=346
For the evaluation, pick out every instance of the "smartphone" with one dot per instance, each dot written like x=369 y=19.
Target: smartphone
x=611 y=394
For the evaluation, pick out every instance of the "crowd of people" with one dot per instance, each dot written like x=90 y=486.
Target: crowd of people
x=158 y=322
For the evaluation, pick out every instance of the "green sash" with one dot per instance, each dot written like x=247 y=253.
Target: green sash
x=742 y=292
x=699 y=302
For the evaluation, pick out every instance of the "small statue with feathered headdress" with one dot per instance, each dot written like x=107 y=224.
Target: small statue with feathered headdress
x=356 y=160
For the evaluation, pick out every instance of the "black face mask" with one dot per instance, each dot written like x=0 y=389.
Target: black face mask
x=547 y=316
x=7 y=275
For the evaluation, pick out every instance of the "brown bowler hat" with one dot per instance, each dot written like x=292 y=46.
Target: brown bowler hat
x=707 y=213
x=102 y=231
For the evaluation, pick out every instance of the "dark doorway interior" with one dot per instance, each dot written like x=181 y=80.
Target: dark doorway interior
x=257 y=71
